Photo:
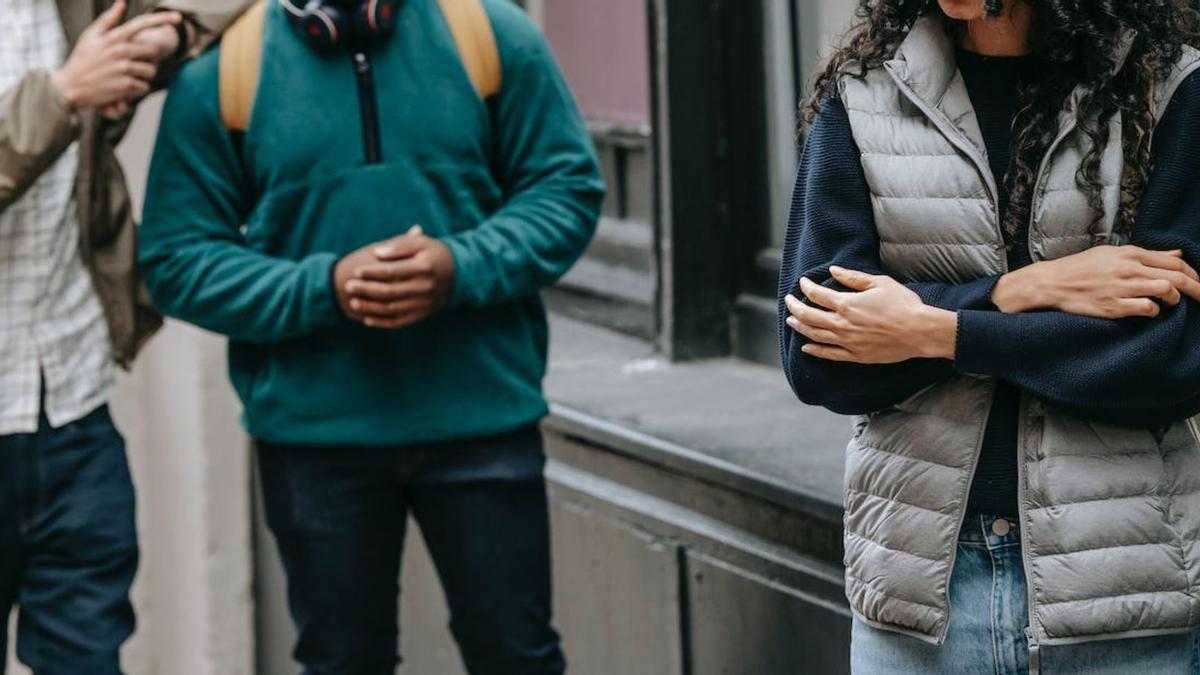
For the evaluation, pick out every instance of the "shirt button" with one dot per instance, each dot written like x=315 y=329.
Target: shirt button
x=1001 y=527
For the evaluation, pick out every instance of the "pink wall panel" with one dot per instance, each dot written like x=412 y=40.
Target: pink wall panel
x=602 y=46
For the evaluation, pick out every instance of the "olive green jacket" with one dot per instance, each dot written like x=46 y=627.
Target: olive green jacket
x=37 y=126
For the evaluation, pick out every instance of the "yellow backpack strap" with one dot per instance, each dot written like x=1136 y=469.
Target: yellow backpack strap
x=472 y=31
x=241 y=59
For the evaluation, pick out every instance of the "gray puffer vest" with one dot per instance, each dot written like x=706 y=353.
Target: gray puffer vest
x=1110 y=516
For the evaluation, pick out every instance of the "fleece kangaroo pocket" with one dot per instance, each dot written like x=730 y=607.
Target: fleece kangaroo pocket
x=344 y=211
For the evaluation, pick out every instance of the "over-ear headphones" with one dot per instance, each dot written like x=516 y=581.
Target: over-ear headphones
x=327 y=23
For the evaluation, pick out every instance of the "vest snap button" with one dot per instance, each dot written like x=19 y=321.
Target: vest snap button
x=1001 y=527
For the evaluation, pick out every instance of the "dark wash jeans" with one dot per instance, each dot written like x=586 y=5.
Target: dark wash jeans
x=338 y=517
x=68 y=546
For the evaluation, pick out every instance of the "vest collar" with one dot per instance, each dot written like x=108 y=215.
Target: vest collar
x=925 y=63
x=925 y=60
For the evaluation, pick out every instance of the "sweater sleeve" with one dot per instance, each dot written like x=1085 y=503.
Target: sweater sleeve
x=832 y=223
x=1132 y=371
x=194 y=258
x=548 y=170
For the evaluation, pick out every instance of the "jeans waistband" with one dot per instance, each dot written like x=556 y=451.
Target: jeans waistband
x=991 y=531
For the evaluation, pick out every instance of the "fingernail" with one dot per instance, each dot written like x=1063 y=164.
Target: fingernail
x=355 y=305
x=806 y=348
x=382 y=251
x=836 y=268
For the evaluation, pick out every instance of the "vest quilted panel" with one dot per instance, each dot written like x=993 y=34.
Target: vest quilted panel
x=1138 y=521
x=1059 y=202
x=1108 y=617
x=907 y=163
x=1110 y=516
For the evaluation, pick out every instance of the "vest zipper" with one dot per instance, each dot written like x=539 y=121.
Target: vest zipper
x=1035 y=203
x=1035 y=653
x=955 y=137
x=368 y=108
x=1026 y=562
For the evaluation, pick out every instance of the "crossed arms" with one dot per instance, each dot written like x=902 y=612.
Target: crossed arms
x=1110 y=333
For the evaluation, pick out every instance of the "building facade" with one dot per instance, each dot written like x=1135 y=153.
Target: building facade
x=696 y=506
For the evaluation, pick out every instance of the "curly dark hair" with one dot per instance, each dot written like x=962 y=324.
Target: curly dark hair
x=1072 y=42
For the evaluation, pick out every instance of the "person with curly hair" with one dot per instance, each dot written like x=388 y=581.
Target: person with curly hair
x=991 y=262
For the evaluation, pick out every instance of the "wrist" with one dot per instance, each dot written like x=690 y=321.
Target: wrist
x=1020 y=291
x=64 y=82
x=337 y=287
x=937 y=334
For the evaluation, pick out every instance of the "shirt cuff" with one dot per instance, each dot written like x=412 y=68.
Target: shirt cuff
x=976 y=349
x=323 y=299
x=973 y=295
x=469 y=273
x=59 y=115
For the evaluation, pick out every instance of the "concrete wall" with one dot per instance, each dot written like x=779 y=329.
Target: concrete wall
x=191 y=467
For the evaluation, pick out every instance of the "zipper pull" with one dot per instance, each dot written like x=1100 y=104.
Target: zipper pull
x=361 y=64
x=1035 y=653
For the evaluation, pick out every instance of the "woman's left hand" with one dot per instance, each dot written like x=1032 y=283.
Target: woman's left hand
x=880 y=321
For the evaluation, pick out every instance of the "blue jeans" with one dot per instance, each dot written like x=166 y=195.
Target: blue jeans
x=338 y=517
x=989 y=613
x=68 y=546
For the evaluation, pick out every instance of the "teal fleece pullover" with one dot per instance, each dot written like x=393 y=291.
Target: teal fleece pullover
x=243 y=242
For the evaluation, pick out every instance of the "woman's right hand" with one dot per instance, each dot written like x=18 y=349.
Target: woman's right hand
x=1107 y=282
x=107 y=66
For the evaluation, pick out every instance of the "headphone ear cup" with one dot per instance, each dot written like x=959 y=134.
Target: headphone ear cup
x=375 y=17
x=324 y=25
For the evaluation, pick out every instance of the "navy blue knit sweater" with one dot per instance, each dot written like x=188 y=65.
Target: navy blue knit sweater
x=1136 y=372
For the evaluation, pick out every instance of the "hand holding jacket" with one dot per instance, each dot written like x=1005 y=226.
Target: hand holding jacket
x=113 y=64
x=37 y=125
x=38 y=121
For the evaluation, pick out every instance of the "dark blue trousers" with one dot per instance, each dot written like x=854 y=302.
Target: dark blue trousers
x=68 y=546
x=338 y=516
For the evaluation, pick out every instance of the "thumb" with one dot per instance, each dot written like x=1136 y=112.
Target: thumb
x=111 y=17
x=856 y=281
x=403 y=246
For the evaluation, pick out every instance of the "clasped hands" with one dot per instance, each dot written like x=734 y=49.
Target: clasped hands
x=395 y=283
x=879 y=320
x=112 y=64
